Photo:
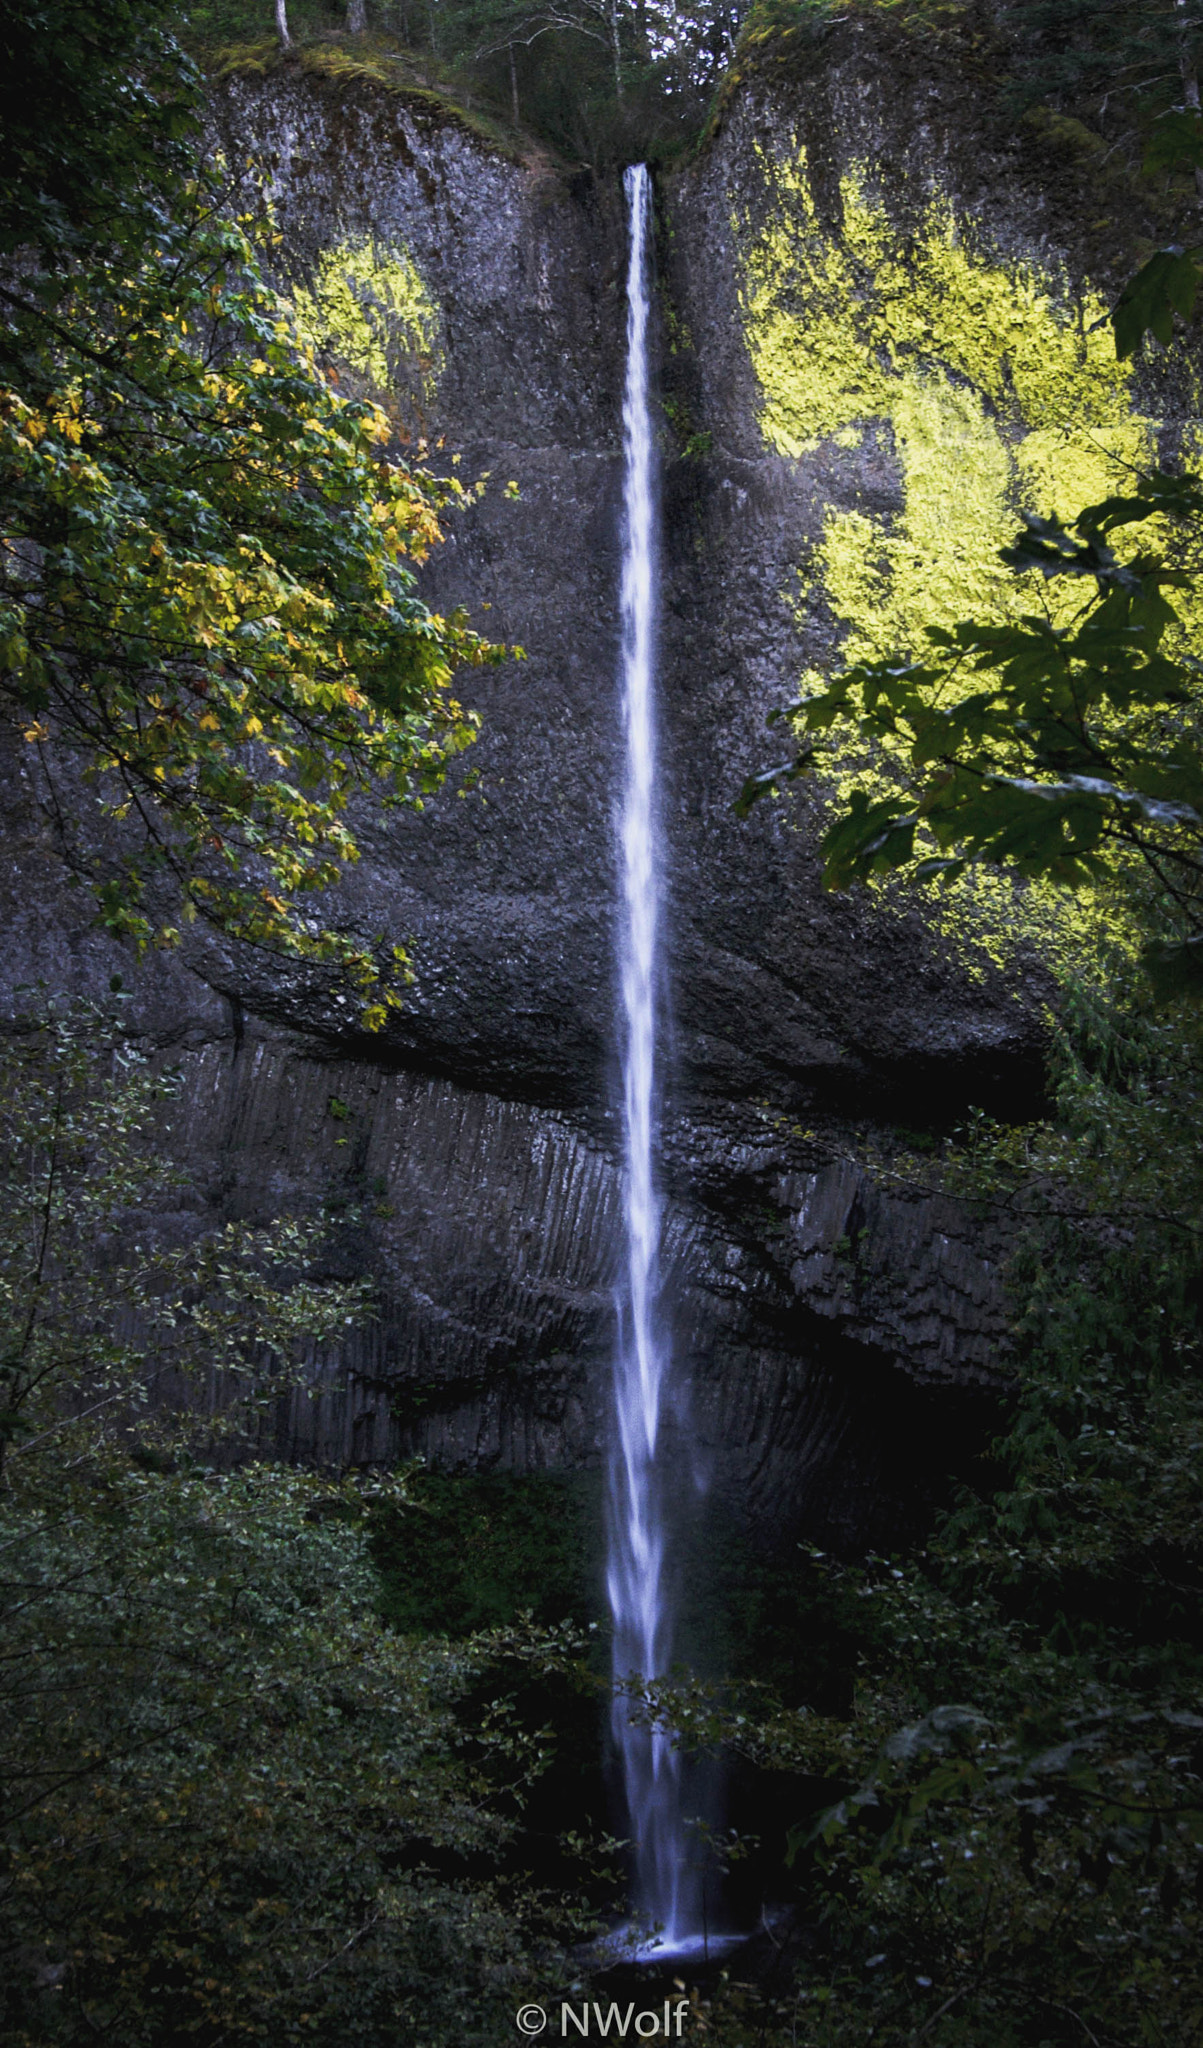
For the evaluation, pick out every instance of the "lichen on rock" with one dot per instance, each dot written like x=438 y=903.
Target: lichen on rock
x=987 y=386
x=968 y=386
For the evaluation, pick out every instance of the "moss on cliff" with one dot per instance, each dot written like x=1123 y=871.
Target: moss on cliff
x=980 y=377
x=378 y=65
x=780 y=38
x=963 y=386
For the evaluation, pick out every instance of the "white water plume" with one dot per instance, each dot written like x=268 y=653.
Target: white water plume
x=636 y=1569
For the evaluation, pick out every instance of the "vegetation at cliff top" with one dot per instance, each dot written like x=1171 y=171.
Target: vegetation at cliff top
x=605 y=81
x=599 y=80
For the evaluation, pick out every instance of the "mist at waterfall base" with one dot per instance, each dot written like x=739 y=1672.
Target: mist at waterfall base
x=668 y=1888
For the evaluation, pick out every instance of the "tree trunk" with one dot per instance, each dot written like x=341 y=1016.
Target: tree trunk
x=357 y=17
x=1190 y=87
x=282 y=22
x=613 y=12
x=514 y=86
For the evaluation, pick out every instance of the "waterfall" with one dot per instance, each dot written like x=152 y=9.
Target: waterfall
x=636 y=1565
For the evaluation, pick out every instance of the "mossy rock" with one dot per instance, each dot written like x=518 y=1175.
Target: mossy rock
x=355 y=63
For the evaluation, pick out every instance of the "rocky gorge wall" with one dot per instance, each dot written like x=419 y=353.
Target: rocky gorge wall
x=859 y=307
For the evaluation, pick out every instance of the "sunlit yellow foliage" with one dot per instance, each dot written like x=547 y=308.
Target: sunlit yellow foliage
x=183 y=629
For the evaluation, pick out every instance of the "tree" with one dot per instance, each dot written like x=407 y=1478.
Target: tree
x=80 y=1112
x=97 y=116
x=232 y=1802
x=999 y=1837
x=507 y=27
x=1116 y=59
x=607 y=80
x=208 y=600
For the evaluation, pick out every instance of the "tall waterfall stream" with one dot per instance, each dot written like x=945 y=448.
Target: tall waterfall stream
x=665 y=1888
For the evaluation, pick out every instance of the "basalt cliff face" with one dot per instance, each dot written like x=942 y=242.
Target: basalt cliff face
x=873 y=336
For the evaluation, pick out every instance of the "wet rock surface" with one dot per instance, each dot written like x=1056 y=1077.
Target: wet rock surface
x=840 y=1336
x=505 y=895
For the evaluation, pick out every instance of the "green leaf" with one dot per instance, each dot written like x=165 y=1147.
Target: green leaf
x=1175 y=967
x=1177 y=497
x=1176 y=143
x=768 y=783
x=1163 y=286
x=872 y=837
x=1046 y=546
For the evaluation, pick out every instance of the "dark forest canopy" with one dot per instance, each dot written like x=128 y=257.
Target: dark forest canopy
x=598 y=79
x=605 y=79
